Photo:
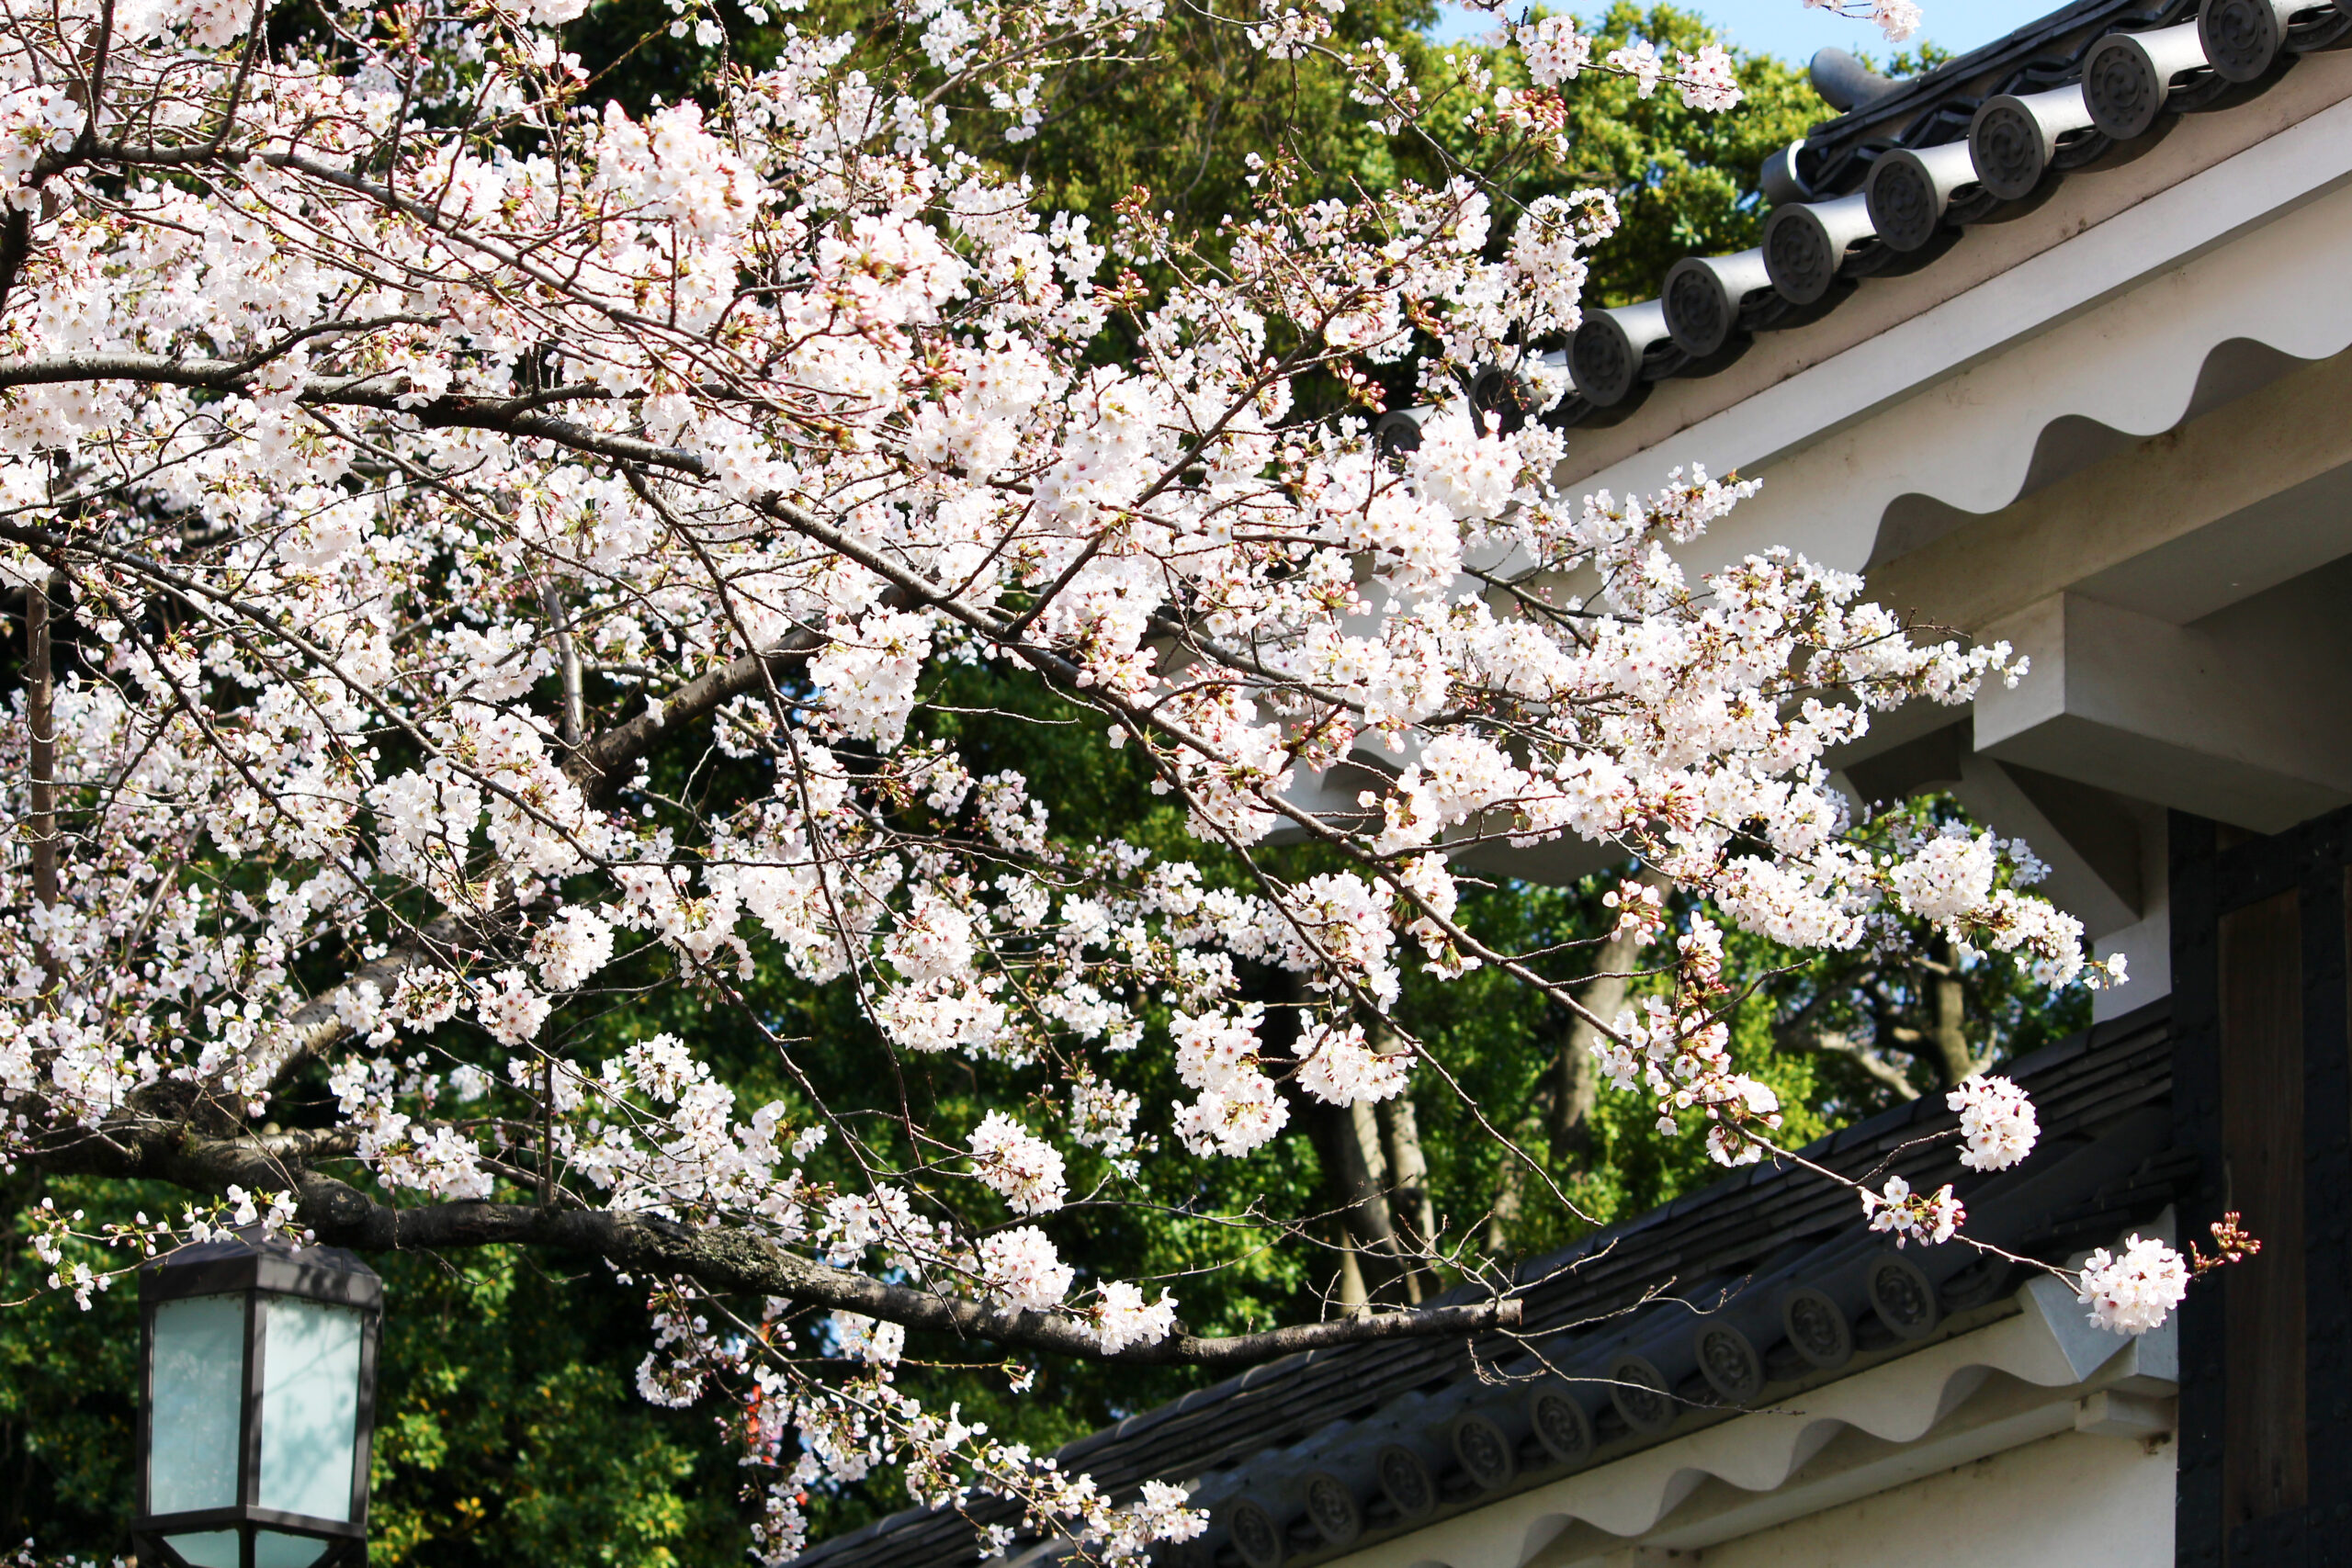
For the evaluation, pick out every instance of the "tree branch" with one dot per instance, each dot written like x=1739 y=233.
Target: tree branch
x=1830 y=1043
x=511 y=416
x=600 y=765
x=40 y=725
x=318 y=1025
x=719 y=1257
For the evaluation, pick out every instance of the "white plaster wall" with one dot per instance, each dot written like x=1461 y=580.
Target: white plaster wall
x=2070 y=1501
x=2146 y=947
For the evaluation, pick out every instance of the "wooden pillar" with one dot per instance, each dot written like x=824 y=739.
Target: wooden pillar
x=2266 y=1465
x=2262 y=1096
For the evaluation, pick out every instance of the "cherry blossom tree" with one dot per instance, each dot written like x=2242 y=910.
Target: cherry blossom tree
x=479 y=548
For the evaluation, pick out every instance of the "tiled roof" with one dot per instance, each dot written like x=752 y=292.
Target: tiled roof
x=1890 y=186
x=1307 y=1457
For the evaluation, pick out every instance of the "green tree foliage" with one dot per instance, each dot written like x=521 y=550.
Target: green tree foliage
x=1685 y=181
x=1179 y=114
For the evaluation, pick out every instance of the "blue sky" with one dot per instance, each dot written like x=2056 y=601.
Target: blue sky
x=1787 y=29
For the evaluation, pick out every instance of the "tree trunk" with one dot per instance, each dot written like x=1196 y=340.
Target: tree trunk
x=1510 y=1200
x=1579 y=1073
x=1413 y=1213
x=576 y=702
x=1947 y=1010
x=1360 y=1173
x=1564 y=1099
x=1354 y=1299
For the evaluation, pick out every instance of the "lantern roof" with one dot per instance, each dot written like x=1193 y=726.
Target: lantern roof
x=249 y=1258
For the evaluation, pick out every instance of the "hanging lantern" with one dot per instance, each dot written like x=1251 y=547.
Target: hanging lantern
x=257 y=1371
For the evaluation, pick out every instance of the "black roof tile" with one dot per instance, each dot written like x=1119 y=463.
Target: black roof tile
x=2103 y=1164
x=1633 y=347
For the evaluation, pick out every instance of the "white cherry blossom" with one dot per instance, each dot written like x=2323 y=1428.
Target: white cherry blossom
x=1021 y=1268
x=1024 y=1170
x=1924 y=1217
x=1997 y=1121
x=2136 y=1290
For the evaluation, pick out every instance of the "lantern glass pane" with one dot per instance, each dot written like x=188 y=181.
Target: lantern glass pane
x=272 y=1550
x=198 y=1395
x=310 y=1406
x=211 y=1548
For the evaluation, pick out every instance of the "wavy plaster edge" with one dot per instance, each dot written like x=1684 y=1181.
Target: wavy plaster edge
x=2049 y=1358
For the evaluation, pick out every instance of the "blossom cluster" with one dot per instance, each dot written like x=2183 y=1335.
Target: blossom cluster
x=2136 y=1290
x=58 y=1241
x=1926 y=1217
x=1996 y=1123
x=1898 y=20
x=1681 y=1050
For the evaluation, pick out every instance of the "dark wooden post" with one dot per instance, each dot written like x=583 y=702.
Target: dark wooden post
x=2265 y=1466
x=2262 y=1092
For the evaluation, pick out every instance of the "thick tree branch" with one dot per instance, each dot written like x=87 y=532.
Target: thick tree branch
x=519 y=416
x=719 y=1257
x=15 y=248
x=318 y=1026
x=601 y=764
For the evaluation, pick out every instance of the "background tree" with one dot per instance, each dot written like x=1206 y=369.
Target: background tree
x=127 y=568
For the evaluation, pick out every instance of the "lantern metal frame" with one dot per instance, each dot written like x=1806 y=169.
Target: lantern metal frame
x=256 y=1270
